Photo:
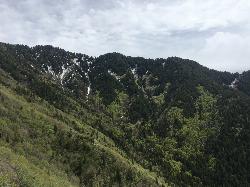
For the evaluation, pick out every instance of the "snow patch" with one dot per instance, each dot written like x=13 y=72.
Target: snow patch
x=89 y=87
x=89 y=62
x=114 y=75
x=133 y=71
x=37 y=55
x=86 y=75
x=234 y=84
x=50 y=70
x=84 y=58
x=76 y=61
x=88 y=90
x=64 y=71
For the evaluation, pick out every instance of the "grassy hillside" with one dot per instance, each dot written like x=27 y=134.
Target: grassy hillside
x=43 y=146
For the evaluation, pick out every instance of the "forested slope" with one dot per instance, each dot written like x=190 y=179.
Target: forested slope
x=71 y=119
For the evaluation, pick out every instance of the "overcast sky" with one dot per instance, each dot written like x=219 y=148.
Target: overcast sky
x=216 y=33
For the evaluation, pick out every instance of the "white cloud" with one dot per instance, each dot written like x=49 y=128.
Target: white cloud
x=226 y=51
x=194 y=29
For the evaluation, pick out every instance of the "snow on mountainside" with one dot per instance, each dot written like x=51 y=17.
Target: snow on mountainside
x=234 y=84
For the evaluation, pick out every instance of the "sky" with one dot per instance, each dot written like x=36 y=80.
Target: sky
x=215 y=33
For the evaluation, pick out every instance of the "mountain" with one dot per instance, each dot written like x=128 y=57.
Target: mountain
x=69 y=119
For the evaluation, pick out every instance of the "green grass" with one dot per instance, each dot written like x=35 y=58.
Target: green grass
x=44 y=146
x=16 y=170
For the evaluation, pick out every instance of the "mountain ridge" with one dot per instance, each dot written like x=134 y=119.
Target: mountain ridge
x=173 y=119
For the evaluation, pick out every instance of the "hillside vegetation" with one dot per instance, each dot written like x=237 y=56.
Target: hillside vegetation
x=68 y=119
